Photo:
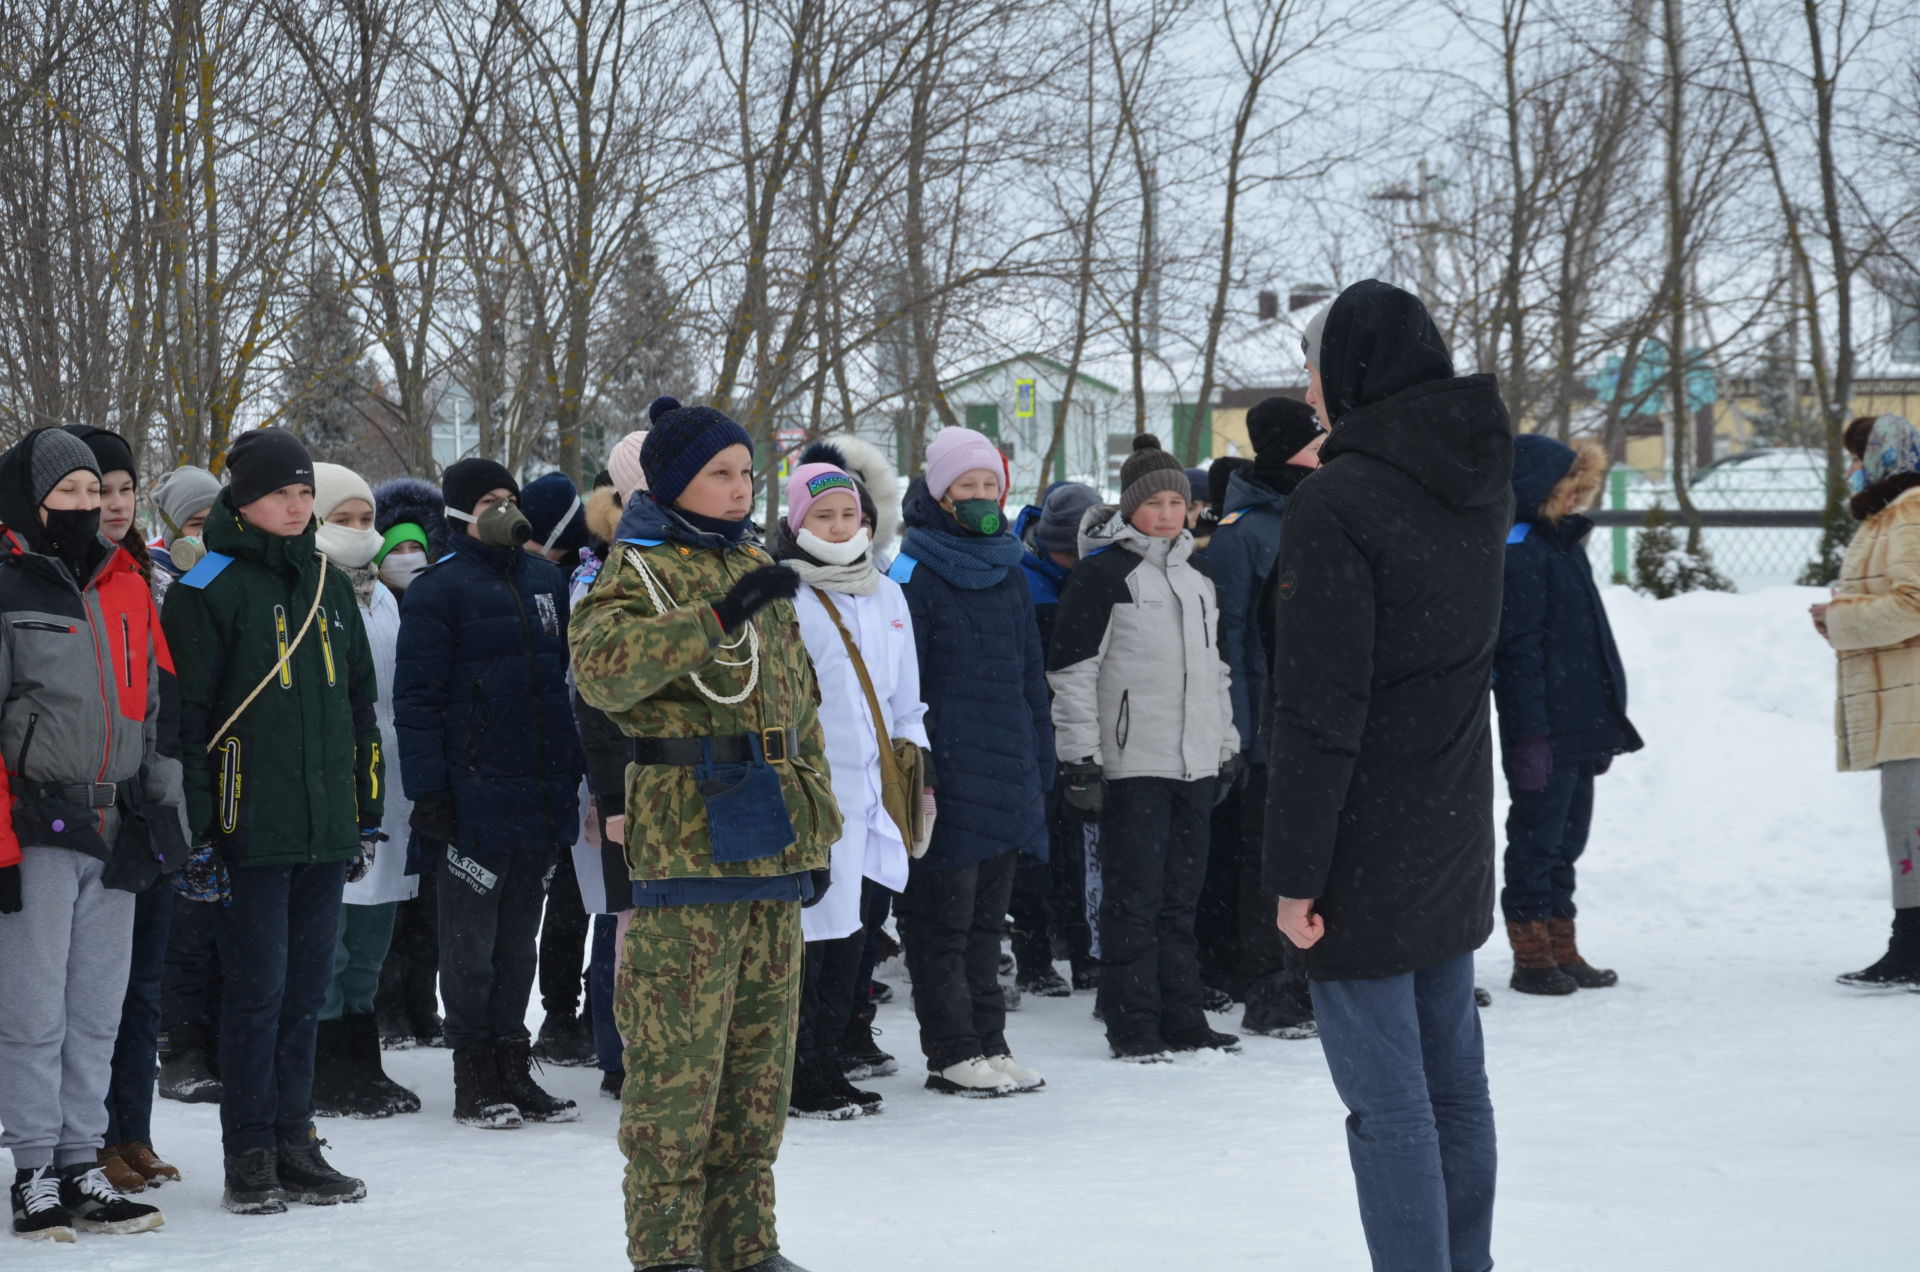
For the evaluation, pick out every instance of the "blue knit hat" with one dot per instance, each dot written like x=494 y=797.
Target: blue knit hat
x=552 y=505
x=681 y=442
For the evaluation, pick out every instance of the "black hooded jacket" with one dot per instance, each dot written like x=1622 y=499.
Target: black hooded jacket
x=1380 y=756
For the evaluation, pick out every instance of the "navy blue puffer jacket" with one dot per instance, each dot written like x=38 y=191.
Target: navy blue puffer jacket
x=1557 y=673
x=481 y=705
x=983 y=678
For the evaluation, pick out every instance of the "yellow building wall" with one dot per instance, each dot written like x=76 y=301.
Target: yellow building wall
x=1230 y=432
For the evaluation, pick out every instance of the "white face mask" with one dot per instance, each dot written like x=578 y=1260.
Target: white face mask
x=833 y=553
x=399 y=568
x=347 y=547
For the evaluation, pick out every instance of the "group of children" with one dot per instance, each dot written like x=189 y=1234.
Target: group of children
x=738 y=759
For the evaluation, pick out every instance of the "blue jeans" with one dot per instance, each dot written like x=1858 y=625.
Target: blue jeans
x=607 y=1048
x=136 y=1051
x=276 y=950
x=1546 y=833
x=1408 y=1061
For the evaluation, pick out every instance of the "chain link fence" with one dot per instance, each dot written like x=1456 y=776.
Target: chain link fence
x=1761 y=482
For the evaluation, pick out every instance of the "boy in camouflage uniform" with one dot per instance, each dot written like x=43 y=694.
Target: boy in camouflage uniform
x=689 y=642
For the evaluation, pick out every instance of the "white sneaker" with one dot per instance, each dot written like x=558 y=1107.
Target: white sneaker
x=974 y=1078
x=1024 y=1079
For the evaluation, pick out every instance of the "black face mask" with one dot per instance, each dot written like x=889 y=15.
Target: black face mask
x=71 y=535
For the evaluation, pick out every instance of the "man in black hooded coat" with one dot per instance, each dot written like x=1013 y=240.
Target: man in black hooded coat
x=1380 y=834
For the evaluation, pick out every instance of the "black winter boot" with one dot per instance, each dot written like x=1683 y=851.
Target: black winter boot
x=816 y=1096
x=611 y=1084
x=253 y=1183
x=340 y=1086
x=97 y=1206
x=535 y=1103
x=1279 y=1006
x=861 y=1057
x=565 y=1040
x=480 y=1098
x=184 y=1076
x=38 y=1214
x=1899 y=967
x=308 y=1178
x=363 y=1042
x=1205 y=1040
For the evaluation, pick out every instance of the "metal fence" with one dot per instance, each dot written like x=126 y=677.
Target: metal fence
x=1761 y=512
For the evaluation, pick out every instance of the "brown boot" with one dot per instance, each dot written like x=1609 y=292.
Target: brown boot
x=119 y=1173
x=1534 y=971
x=144 y=1160
x=1567 y=955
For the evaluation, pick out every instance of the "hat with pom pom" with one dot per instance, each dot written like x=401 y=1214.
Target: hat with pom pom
x=681 y=441
x=1149 y=471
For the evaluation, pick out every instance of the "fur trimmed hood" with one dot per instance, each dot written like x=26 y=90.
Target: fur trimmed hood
x=873 y=470
x=603 y=513
x=419 y=501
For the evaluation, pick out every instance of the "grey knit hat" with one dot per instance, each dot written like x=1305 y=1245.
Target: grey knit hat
x=1148 y=472
x=1310 y=338
x=56 y=453
x=1060 y=516
x=181 y=494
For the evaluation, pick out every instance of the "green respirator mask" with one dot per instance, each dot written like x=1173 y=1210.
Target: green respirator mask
x=980 y=516
x=501 y=526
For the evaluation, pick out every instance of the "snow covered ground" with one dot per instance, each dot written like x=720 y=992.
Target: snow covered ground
x=1727 y=1107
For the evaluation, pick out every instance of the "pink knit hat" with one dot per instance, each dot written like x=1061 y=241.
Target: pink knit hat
x=954 y=451
x=809 y=483
x=623 y=465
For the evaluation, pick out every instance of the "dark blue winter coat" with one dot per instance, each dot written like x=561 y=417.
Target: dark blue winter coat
x=1557 y=672
x=481 y=705
x=1241 y=554
x=983 y=678
x=1045 y=578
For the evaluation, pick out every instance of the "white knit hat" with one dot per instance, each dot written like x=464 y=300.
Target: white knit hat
x=333 y=485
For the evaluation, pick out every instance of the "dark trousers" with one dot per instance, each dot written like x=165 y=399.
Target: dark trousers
x=1049 y=896
x=826 y=1000
x=563 y=941
x=135 y=1051
x=1219 y=911
x=1153 y=860
x=1546 y=833
x=600 y=967
x=190 y=987
x=276 y=946
x=1263 y=950
x=489 y=930
x=876 y=903
x=410 y=978
x=1406 y=1057
x=951 y=923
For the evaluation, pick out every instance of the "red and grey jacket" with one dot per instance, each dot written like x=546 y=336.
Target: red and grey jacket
x=80 y=676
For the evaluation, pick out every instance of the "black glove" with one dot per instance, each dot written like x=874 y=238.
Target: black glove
x=822 y=880
x=10 y=902
x=754 y=593
x=1233 y=774
x=432 y=816
x=370 y=841
x=1084 y=789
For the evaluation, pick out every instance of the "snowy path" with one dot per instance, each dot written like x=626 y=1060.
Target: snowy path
x=1728 y=1107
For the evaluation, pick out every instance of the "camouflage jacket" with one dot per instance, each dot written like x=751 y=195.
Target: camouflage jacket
x=635 y=660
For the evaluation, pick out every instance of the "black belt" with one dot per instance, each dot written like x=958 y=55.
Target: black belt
x=87 y=794
x=775 y=744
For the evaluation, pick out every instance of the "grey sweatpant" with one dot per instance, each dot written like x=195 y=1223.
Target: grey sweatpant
x=1900 y=816
x=63 y=977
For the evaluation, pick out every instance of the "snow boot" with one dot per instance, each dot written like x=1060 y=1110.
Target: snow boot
x=396 y=1031
x=815 y=1097
x=122 y=1176
x=1534 y=971
x=363 y=1043
x=778 y=1263
x=184 y=1076
x=1148 y=1051
x=480 y=1099
x=1024 y=1079
x=861 y=1056
x=1899 y=967
x=306 y=1176
x=37 y=1212
x=1566 y=952
x=97 y=1206
x=340 y=1087
x=611 y=1082
x=974 y=1079
x=869 y=1101
x=536 y=1104
x=143 y=1159
x=253 y=1184
x=565 y=1040
x=879 y=992
x=1087 y=976
x=1045 y=982
x=1213 y=998
x=1279 y=1006
x=1481 y=998
x=1205 y=1040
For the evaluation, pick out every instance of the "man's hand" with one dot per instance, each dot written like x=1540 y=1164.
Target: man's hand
x=617 y=829
x=1299 y=924
x=1819 y=615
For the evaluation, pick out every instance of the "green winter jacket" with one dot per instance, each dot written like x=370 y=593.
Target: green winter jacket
x=299 y=773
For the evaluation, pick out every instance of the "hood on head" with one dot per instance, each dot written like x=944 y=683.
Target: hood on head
x=872 y=469
x=1451 y=436
x=1379 y=341
x=602 y=512
x=1539 y=464
x=413 y=500
x=1102 y=527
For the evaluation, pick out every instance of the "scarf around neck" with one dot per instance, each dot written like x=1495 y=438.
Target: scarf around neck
x=970 y=561
x=364 y=578
x=855 y=578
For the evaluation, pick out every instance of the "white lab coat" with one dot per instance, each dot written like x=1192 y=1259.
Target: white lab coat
x=388 y=880
x=870 y=845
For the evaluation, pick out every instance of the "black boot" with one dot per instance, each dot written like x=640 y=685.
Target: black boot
x=778 y=1263
x=185 y=1076
x=1899 y=967
x=536 y=1104
x=830 y=1067
x=308 y=1178
x=97 y=1206
x=1205 y=1040
x=565 y=1040
x=611 y=1082
x=815 y=1096
x=861 y=1056
x=363 y=1041
x=480 y=1099
x=37 y=1212
x=253 y=1183
x=340 y=1086
x=1279 y=1006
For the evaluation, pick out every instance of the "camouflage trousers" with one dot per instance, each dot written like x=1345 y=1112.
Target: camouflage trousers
x=707 y=999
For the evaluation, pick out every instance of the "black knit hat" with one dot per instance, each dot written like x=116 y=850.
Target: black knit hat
x=1220 y=475
x=266 y=460
x=110 y=450
x=1149 y=471
x=1280 y=426
x=681 y=442
x=466 y=482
